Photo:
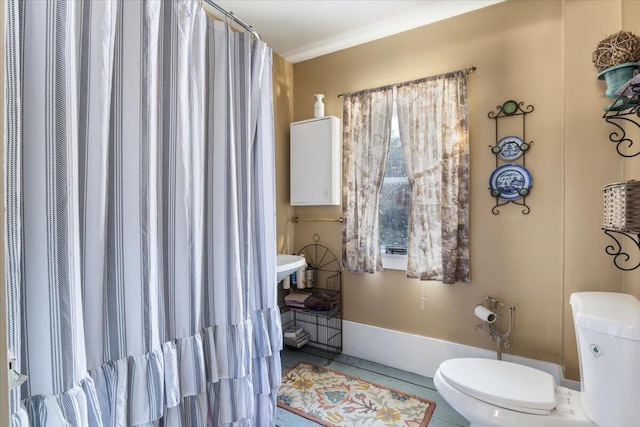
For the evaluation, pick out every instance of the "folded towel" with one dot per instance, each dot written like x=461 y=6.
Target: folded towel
x=296 y=297
x=320 y=302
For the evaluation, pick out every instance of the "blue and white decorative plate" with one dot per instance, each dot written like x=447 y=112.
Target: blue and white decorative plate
x=510 y=148
x=510 y=182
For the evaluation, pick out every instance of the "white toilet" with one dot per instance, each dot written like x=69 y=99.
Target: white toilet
x=497 y=393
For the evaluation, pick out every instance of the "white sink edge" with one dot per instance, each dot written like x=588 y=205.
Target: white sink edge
x=287 y=264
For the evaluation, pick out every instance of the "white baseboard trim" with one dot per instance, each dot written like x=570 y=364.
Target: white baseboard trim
x=422 y=355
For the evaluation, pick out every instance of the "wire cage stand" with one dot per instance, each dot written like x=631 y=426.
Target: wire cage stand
x=510 y=193
x=323 y=326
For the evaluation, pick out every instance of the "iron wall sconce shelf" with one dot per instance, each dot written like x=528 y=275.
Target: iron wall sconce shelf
x=624 y=110
x=621 y=258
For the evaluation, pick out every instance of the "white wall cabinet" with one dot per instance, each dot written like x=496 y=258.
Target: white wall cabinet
x=315 y=158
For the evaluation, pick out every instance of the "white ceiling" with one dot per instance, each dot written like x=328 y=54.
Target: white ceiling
x=303 y=29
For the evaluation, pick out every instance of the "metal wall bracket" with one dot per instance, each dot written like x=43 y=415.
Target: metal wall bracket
x=621 y=257
x=625 y=109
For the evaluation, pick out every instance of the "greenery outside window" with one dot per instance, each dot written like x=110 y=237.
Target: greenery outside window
x=393 y=207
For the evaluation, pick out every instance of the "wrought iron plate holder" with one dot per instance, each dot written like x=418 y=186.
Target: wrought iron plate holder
x=511 y=108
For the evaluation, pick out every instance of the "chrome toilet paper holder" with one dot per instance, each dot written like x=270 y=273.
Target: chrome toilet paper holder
x=494 y=329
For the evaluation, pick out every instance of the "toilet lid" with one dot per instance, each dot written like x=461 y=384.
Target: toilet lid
x=504 y=384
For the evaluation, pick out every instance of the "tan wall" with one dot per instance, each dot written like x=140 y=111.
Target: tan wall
x=283 y=115
x=538 y=52
x=590 y=160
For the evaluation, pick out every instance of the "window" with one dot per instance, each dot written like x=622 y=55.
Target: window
x=435 y=111
x=393 y=208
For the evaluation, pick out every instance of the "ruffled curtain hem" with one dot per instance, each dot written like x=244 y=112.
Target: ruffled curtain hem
x=218 y=374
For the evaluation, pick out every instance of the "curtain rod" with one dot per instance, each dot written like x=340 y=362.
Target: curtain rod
x=231 y=16
x=468 y=70
x=298 y=219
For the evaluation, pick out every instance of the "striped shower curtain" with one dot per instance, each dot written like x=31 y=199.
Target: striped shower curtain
x=140 y=256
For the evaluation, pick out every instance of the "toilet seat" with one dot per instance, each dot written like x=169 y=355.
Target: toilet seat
x=504 y=384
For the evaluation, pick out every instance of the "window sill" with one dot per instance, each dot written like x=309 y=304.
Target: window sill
x=394 y=262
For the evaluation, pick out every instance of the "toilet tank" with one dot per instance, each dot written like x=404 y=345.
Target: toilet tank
x=608 y=335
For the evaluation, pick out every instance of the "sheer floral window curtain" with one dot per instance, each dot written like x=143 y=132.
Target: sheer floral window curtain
x=434 y=131
x=367 y=132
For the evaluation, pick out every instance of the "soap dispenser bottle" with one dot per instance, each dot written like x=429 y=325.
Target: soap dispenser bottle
x=318 y=107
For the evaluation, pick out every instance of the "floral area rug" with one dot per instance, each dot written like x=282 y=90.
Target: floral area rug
x=334 y=399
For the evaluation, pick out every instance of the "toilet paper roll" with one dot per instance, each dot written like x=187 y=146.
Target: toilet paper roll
x=286 y=282
x=485 y=314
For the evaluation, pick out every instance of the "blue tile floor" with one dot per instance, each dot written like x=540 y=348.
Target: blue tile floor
x=443 y=416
